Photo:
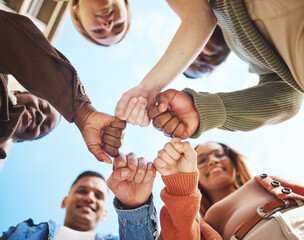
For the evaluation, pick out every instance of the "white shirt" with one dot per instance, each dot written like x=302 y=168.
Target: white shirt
x=65 y=233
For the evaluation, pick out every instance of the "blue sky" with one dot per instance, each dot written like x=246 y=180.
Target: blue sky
x=37 y=175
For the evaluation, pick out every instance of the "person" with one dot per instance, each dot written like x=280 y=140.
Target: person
x=101 y=22
x=232 y=204
x=270 y=40
x=85 y=207
x=186 y=44
x=46 y=73
x=213 y=54
x=25 y=117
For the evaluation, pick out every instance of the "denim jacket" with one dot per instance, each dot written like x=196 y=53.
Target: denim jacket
x=135 y=224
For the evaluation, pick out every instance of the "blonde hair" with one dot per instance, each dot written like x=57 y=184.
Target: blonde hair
x=242 y=176
x=79 y=27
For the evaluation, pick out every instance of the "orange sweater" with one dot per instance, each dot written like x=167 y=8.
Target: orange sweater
x=179 y=217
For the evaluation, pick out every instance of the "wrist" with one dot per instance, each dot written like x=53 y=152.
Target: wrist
x=129 y=206
x=82 y=114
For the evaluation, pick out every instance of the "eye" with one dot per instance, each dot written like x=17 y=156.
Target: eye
x=42 y=128
x=82 y=191
x=202 y=160
x=98 y=31
x=41 y=107
x=99 y=196
x=119 y=25
x=220 y=155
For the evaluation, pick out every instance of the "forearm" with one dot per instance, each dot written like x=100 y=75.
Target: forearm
x=40 y=68
x=139 y=223
x=197 y=24
x=180 y=193
x=270 y=102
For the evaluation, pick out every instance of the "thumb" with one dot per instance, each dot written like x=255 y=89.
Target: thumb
x=163 y=99
x=122 y=105
x=184 y=148
x=117 y=176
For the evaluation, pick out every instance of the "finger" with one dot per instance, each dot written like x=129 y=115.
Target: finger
x=112 y=151
x=186 y=149
x=136 y=116
x=180 y=131
x=166 y=157
x=120 y=161
x=141 y=170
x=163 y=99
x=159 y=164
x=132 y=163
x=131 y=105
x=121 y=106
x=142 y=112
x=153 y=112
x=150 y=174
x=171 y=125
x=114 y=131
x=99 y=154
x=171 y=151
x=119 y=124
x=112 y=141
x=161 y=120
x=146 y=120
x=117 y=176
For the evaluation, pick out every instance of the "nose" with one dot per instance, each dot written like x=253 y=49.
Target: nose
x=107 y=25
x=89 y=198
x=212 y=160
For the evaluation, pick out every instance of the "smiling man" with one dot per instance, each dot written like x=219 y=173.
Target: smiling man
x=86 y=206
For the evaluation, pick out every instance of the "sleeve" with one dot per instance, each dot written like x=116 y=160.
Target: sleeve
x=39 y=67
x=271 y=101
x=179 y=218
x=139 y=223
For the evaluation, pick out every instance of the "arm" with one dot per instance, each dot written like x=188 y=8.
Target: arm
x=197 y=24
x=39 y=67
x=132 y=182
x=45 y=72
x=271 y=101
x=176 y=162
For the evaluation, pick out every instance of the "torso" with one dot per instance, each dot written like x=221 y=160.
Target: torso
x=227 y=215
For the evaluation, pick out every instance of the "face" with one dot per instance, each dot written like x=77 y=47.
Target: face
x=215 y=167
x=86 y=204
x=213 y=54
x=38 y=119
x=105 y=21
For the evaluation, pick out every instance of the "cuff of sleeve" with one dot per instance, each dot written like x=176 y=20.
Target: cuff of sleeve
x=182 y=184
x=142 y=212
x=211 y=110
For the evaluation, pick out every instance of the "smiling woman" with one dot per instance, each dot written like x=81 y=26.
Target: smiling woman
x=103 y=22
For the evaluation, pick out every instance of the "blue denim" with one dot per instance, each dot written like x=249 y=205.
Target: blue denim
x=140 y=223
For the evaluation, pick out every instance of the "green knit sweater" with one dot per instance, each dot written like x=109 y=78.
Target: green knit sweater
x=276 y=98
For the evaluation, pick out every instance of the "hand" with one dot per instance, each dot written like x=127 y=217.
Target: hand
x=113 y=137
x=132 y=180
x=175 y=114
x=176 y=157
x=133 y=103
x=91 y=124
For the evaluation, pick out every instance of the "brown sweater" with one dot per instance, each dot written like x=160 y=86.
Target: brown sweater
x=27 y=55
x=179 y=216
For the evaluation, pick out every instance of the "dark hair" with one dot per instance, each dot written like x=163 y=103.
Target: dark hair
x=88 y=173
x=242 y=175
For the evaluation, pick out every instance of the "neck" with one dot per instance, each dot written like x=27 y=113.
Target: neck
x=79 y=227
x=218 y=194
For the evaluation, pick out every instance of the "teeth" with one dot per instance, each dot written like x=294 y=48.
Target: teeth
x=215 y=169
